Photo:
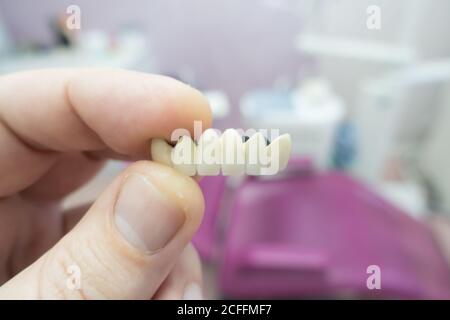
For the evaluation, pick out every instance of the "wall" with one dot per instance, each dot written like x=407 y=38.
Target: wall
x=237 y=45
x=233 y=45
x=435 y=156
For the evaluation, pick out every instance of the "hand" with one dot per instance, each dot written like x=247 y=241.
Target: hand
x=57 y=128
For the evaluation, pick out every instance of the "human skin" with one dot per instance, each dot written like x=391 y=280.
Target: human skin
x=57 y=129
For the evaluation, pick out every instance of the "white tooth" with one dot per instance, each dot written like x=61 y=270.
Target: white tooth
x=233 y=155
x=183 y=156
x=279 y=150
x=255 y=154
x=209 y=153
x=161 y=151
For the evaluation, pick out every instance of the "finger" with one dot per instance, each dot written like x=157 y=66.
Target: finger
x=27 y=230
x=125 y=245
x=185 y=279
x=73 y=215
x=86 y=110
x=71 y=171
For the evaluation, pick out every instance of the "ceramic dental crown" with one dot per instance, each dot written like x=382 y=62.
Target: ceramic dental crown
x=226 y=153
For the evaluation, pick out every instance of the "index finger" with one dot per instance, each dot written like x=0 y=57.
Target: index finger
x=45 y=112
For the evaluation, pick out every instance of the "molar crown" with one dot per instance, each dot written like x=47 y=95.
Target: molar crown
x=229 y=153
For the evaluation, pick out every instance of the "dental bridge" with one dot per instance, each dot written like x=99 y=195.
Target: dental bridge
x=228 y=153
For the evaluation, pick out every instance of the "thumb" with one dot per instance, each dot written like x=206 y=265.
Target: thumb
x=126 y=244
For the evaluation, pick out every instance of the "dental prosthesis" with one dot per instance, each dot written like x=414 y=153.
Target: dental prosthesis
x=228 y=153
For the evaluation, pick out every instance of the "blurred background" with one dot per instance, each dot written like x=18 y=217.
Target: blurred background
x=363 y=87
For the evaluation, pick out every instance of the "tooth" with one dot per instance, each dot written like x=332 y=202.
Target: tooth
x=228 y=151
x=233 y=155
x=183 y=156
x=285 y=145
x=161 y=151
x=255 y=154
x=209 y=153
x=278 y=151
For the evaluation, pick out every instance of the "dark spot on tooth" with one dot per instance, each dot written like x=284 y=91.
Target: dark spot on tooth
x=245 y=139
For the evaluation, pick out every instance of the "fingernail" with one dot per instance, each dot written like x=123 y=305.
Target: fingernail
x=192 y=292
x=145 y=216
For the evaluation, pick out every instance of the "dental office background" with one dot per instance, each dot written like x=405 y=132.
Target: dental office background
x=363 y=87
